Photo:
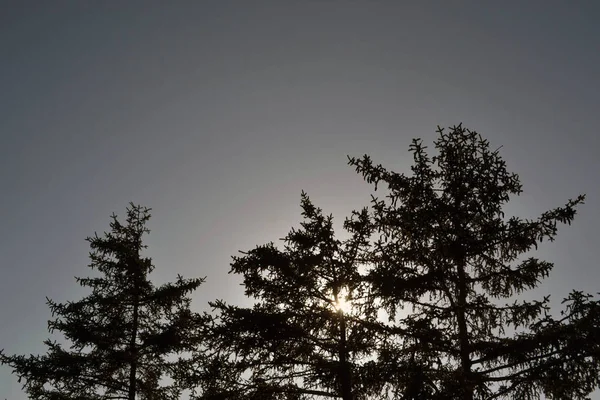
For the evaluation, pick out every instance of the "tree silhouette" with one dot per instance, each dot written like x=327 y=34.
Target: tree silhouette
x=448 y=267
x=125 y=336
x=420 y=300
x=297 y=341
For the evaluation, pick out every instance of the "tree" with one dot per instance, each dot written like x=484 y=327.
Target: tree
x=299 y=340
x=125 y=336
x=445 y=262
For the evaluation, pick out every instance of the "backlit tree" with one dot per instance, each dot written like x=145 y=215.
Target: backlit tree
x=449 y=267
x=125 y=338
x=308 y=334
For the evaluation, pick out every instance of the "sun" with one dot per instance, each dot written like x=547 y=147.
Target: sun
x=343 y=302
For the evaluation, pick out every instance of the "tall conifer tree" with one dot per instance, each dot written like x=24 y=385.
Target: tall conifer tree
x=448 y=267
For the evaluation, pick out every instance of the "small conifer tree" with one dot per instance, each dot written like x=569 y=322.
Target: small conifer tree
x=308 y=334
x=125 y=337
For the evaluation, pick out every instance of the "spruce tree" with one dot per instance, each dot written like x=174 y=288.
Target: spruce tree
x=449 y=267
x=127 y=337
x=308 y=333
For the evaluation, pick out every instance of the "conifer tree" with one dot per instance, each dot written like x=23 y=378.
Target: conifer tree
x=308 y=334
x=127 y=337
x=448 y=268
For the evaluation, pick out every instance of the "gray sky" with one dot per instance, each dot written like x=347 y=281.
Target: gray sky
x=218 y=113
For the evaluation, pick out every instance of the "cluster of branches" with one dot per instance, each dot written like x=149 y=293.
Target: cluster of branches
x=420 y=300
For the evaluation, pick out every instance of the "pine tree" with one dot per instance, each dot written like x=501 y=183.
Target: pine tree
x=448 y=268
x=308 y=334
x=127 y=337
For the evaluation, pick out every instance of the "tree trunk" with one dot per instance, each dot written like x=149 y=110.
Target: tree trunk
x=463 y=336
x=459 y=257
x=345 y=374
x=133 y=348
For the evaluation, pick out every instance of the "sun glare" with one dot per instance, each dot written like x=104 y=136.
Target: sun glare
x=343 y=303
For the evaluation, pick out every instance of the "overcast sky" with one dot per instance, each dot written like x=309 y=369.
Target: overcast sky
x=216 y=114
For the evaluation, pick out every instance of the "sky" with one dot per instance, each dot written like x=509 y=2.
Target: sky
x=217 y=114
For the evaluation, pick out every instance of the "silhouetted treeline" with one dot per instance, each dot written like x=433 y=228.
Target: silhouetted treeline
x=415 y=303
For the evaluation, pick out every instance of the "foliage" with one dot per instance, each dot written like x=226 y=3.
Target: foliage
x=125 y=336
x=448 y=267
x=296 y=342
x=439 y=257
x=434 y=276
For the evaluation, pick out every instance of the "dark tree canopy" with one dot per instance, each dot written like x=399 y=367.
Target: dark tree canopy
x=298 y=341
x=439 y=256
x=448 y=267
x=433 y=274
x=125 y=336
